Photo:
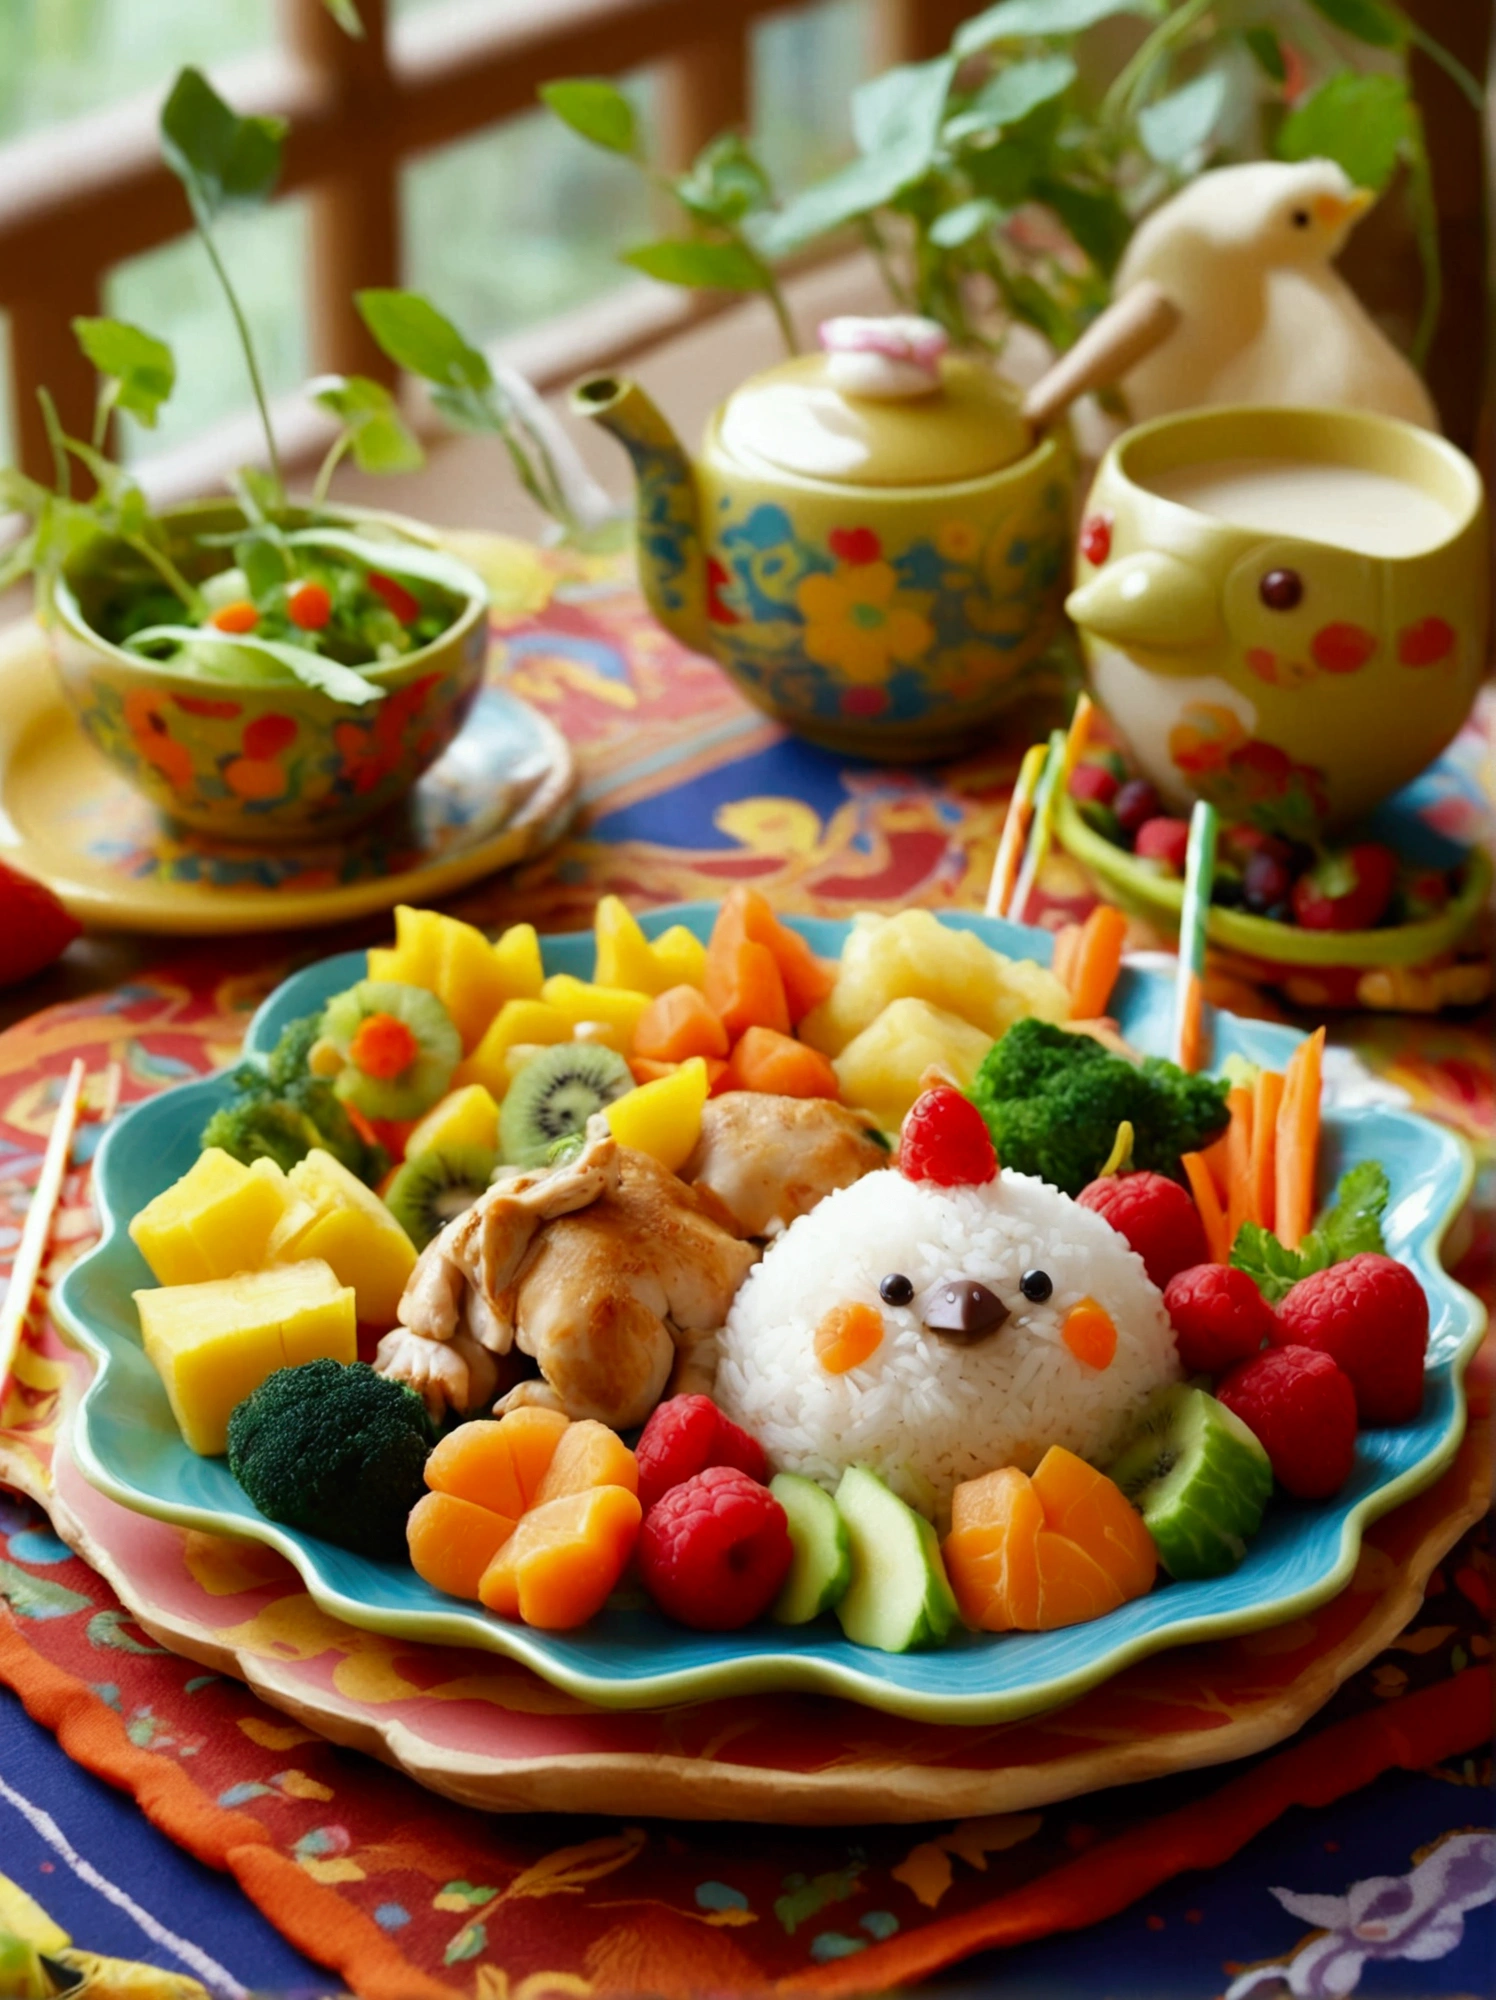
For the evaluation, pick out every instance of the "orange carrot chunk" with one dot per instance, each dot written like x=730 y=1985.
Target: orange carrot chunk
x=1097 y=960
x=846 y=1336
x=743 y=987
x=1297 y=1163
x=765 y=1060
x=1238 y=1159
x=1212 y=1213
x=498 y=1464
x=1090 y=1333
x=677 y=1025
x=564 y=1559
x=452 y=1542
x=807 y=979
x=239 y=616
x=1267 y=1096
x=588 y=1454
x=383 y=1046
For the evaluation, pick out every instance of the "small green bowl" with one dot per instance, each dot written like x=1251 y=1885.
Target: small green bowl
x=264 y=762
x=1136 y=886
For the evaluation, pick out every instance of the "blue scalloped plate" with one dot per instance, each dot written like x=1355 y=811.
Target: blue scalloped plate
x=127 y=1443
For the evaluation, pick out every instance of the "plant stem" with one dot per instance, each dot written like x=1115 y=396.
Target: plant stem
x=103 y=406
x=167 y=570
x=61 y=470
x=1125 y=86
x=248 y=345
x=340 y=445
x=773 y=294
x=1450 y=64
x=898 y=291
x=1426 y=231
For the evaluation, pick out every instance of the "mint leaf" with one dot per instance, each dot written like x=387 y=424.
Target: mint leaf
x=1353 y=1227
x=1272 y=1268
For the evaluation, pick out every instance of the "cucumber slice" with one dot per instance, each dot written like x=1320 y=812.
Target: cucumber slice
x=898 y=1596
x=1198 y=1477
x=822 y=1564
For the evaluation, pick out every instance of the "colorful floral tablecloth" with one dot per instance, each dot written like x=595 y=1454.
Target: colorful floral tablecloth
x=405 y=1895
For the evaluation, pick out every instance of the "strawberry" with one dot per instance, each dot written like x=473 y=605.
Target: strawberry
x=35 y=929
x=1348 y=891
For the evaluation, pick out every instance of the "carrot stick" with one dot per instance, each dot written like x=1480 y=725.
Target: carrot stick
x=1203 y=1188
x=1239 y=1159
x=1190 y=1050
x=1298 y=1141
x=1216 y=1159
x=1267 y=1096
x=1097 y=961
x=1062 y=965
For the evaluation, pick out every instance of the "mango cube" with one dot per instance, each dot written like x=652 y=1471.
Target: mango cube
x=626 y=957
x=352 y=1230
x=881 y=1069
x=613 y=1007
x=212 y=1344
x=518 y=955
x=217 y=1219
x=466 y=1117
x=517 y=1022
x=681 y=956
x=663 y=1118
x=471 y=977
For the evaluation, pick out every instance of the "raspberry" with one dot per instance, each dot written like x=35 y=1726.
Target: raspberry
x=1156 y=1216
x=1165 y=840
x=1219 y=1317
x=1371 y=1315
x=685 y=1436
x=1302 y=1409
x=715 y=1550
x=945 y=1139
x=1093 y=784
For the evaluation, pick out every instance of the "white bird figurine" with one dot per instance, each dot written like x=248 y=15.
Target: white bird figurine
x=1244 y=256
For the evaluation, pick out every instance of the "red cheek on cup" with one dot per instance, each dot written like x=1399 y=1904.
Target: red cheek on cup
x=1426 y=643
x=1342 y=649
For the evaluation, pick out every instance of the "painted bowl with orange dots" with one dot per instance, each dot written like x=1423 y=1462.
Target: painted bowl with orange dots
x=226 y=738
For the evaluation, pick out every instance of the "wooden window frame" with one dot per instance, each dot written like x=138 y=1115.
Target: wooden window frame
x=78 y=199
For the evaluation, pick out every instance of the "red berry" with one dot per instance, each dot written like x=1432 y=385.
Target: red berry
x=1093 y=784
x=1156 y=1216
x=1219 y=1317
x=683 y=1437
x=1165 y=840
x=945 y=1139
x=34 y=926
x=715 y=1550
x=309 y=606
x=1348 y=891
x=406 y=607
x=1240 y=842
x=1302 y=1410
x=1096 y=539
x=1371 y=1315
x=1135 y=802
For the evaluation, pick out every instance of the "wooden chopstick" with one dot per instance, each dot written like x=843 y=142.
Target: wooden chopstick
x=36 y=1234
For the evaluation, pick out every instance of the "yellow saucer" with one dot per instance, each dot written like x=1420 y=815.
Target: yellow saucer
x=503 y=791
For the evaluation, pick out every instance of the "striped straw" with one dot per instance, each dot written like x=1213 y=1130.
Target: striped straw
x=1189 y=991
x=1038 y=843
x=1015 y=828
x=37 y=1231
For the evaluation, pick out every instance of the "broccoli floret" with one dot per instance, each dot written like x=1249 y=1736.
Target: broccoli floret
x=1053 y=1101
x=335 y=1450
x=280 y=1112
x=287 y=1061
x=262 y=1127
x=317 y=1101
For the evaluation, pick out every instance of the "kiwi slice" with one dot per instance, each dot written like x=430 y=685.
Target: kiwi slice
x=434 y=1188
x=555 y=1094
x=412 y=1091
x=1198 y=1477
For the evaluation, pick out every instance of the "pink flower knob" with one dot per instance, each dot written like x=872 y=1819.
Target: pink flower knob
x=888 y=358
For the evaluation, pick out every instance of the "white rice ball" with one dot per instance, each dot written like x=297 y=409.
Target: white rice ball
x=926 y=1411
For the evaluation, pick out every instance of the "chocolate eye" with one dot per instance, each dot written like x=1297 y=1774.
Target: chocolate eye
x=896 y=1289
x=1281 y=589
x=1301 y=218
x=1036 y=1286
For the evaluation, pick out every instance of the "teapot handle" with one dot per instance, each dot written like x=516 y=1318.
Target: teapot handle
x=1130 y=328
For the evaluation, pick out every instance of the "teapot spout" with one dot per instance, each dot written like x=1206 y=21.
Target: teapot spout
x=668 y=527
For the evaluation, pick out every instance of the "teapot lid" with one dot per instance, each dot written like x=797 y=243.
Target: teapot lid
x=881 y=405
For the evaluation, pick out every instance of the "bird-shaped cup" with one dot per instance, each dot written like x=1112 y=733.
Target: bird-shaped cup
x=1284 y=611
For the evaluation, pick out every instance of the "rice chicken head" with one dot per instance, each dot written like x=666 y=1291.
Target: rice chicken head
x=937 y=1333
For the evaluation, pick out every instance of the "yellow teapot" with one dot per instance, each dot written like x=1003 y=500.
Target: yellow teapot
x=872 y=542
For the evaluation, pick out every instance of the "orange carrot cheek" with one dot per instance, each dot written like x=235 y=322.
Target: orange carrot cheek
x=846 y=1336
x=1090 y=1334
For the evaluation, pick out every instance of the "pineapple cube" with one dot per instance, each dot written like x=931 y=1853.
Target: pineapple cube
x=881 y=1069
x=912 y=956
x=663 y=1118
x=682 y=957
x=517 y=1021
x=415 y=959
x=614 y=1008
x=471 y=977
x=466 y=1117
x=625 y=957
x=212 y=1344
x=518 y=954
x=353 y=1231
x=217 y=1219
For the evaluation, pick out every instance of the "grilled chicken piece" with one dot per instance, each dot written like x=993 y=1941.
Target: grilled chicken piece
x=766 y=1160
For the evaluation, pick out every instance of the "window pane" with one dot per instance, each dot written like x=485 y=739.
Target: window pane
x=805 y=68
x=521 y=222
x=173 y=293
x=59 y=58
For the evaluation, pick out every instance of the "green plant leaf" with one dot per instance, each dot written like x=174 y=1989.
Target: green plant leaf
x=221 y=159
x=1017 y=20
x=1267 y=50
x=1010 y=95
x=1272 y=1268
x=596 y=110
x=381 y=439
x=726 y=182
x=960 y=225
x=726 y=267
x=1353 y=1226
x=1362 y=122
x=311 y=669
x=418 y=338
x=394 y=558
x=141 y=369
x=1370 y=21
x=1094 y=216
x=1028 y=300
x=345 y=13
x=1175 y=127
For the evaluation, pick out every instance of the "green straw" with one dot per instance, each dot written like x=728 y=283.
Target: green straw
x=1038 y=845
x=1199 y=881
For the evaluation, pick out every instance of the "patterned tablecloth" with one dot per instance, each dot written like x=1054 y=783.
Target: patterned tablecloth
x=684 y=791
